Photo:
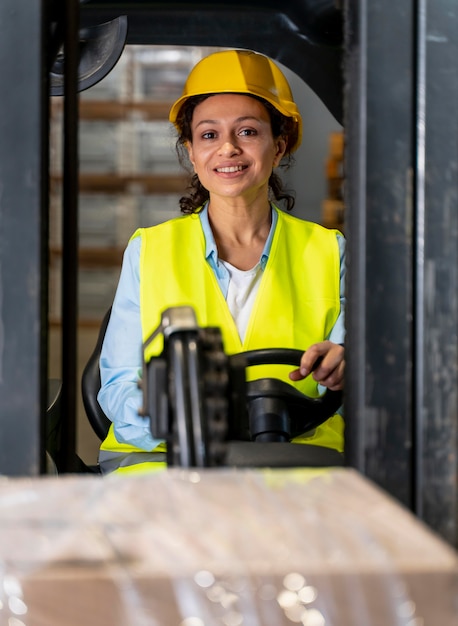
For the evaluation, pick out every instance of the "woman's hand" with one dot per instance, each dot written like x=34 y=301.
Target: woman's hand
x=331 y=365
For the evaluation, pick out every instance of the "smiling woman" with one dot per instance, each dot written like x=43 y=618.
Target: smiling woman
x=265 y=278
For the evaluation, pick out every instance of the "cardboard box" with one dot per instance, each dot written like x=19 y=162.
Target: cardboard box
x=219 y=547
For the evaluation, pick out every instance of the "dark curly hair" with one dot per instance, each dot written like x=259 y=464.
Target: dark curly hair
x=282 y=126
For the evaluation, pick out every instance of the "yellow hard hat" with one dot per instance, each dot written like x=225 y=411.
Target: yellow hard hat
x=245 y=72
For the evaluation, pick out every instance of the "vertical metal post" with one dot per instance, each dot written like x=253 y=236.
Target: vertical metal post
x=379 y=165
x=23 y=236
x=355 y=93
x=402 y=197
x=418 y=230
x=70 y=237
x=436 y=276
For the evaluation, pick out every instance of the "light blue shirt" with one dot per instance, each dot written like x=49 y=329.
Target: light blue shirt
x=121 y=355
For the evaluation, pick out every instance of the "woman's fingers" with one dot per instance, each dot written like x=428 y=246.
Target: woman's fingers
x=326 y=360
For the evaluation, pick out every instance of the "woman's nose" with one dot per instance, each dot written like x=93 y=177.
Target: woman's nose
x=229 y=147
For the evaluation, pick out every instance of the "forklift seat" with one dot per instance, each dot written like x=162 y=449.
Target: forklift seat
x=90 y=385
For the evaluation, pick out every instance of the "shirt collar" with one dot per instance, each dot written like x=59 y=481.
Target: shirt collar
x=211 y=253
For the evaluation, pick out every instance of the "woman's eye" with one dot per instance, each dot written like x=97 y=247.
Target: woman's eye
x=208 y=135
x=247 y=132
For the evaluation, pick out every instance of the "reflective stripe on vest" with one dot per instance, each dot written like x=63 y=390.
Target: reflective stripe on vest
x=111 y=461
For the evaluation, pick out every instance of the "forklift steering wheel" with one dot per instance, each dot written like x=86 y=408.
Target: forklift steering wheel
x=277 y=411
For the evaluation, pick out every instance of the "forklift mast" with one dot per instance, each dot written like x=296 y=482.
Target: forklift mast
x=388 y=72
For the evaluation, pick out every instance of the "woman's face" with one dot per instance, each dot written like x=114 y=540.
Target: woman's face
x=232 y=150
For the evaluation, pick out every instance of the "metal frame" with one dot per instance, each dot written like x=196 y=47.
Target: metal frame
x=305 y=35
x=436 y=267
x=401 y=128
x=23 y=237
x=67 y=460
x=380 y=169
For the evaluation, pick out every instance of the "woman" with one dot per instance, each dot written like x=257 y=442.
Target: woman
x=265 y=278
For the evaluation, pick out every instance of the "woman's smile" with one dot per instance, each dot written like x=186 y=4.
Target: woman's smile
x=230 y=169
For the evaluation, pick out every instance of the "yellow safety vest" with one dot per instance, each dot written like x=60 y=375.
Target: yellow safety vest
x=297 y=303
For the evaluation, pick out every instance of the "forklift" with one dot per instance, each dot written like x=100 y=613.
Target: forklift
x=388 y=73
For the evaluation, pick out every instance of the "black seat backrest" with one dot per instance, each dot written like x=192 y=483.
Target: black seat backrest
x=90 y=385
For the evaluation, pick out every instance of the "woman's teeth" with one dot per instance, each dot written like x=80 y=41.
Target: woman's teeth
x=229 y=170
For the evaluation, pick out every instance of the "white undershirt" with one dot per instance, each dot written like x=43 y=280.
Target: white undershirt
x=243 y=287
